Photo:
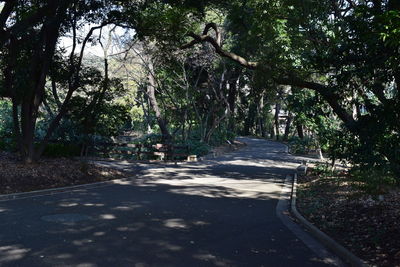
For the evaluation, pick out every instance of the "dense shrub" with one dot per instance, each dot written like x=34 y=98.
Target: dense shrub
x=301 y=146
x=61 y=150
x=198 y=148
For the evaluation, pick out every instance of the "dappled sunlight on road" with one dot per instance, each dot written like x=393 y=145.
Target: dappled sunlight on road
x=3 y=210
x=213 y=213
x=12 y=253
x=175 y=223
x=223 y=192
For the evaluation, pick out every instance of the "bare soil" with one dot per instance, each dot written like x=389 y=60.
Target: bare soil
x=367 y=225
x=15 y=176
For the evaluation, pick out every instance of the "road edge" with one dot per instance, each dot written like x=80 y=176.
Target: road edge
x=283 y=213
x=59 y=190
x=327 y=241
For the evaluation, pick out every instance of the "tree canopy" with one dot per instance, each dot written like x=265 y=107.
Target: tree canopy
x=206 y=70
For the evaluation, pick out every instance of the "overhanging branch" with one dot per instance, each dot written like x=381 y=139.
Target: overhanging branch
x=216 y=43
x=325 y=91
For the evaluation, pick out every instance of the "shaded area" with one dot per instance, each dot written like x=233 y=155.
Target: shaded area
x=366 y=225
x=16 y=177
x=215 y=213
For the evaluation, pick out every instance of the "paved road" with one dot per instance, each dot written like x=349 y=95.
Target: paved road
x=219 y=212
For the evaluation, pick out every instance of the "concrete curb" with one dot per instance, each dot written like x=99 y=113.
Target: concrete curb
x=327 y=241
x=59 y=190
x=283 y=213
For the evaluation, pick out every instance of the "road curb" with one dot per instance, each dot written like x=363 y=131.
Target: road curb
x=59 y=190
x=327 y=241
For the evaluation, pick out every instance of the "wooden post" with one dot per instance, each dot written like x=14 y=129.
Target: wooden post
x=138 y=152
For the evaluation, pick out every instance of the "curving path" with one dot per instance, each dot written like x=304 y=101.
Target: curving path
x=219 y=212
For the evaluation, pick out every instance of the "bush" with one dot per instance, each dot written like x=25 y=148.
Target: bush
x=149 y=139
x=220 y=137
x=61 y=150
x=324 y=170
x=8 y=144
x=198 y=148
x=373 y=180
x=301 y=146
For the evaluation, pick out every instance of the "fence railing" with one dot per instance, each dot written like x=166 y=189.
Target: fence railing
x=139 y=151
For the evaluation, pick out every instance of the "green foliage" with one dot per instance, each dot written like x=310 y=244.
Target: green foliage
x=149 y=139
x=390 y=21
x=301 y=146
x=8 y=144
x=94 y=111
x=350 y=49
x=375 y=181
x=7 y=141
x=324 y=170
x=5 y=118
x=164 y=22
x=198 y=148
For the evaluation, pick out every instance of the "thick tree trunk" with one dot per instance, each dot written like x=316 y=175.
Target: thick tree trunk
x=166 y=136
x=55 y=94
x=272 y=132
x=300 y=131
x=276 y=120
x=260 y=117
x=28 y=123
x=249 y=121
x=288 y=125
x=31 y=97
x=232 y=95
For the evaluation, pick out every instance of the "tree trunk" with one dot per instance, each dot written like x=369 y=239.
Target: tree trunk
x=166 y=136
x=28 y=123
x=91 y=113
x=300 y=131
x=260 y=115
x=286 y=79
x=249 y=122
x=276 y=118
x=288 y=125
x=232 y=95
x=26 y=101
x=272 y=132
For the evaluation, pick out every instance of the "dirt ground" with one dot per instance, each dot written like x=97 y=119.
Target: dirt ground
x=49 y=173
x=367 y=225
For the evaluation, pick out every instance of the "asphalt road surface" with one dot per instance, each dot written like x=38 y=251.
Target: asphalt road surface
x=219 y=212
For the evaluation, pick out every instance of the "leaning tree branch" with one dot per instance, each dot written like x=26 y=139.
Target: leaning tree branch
x=288 y=79
x=6 y=12
x=216 y=30
x=327 y=93
x=216 y=43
